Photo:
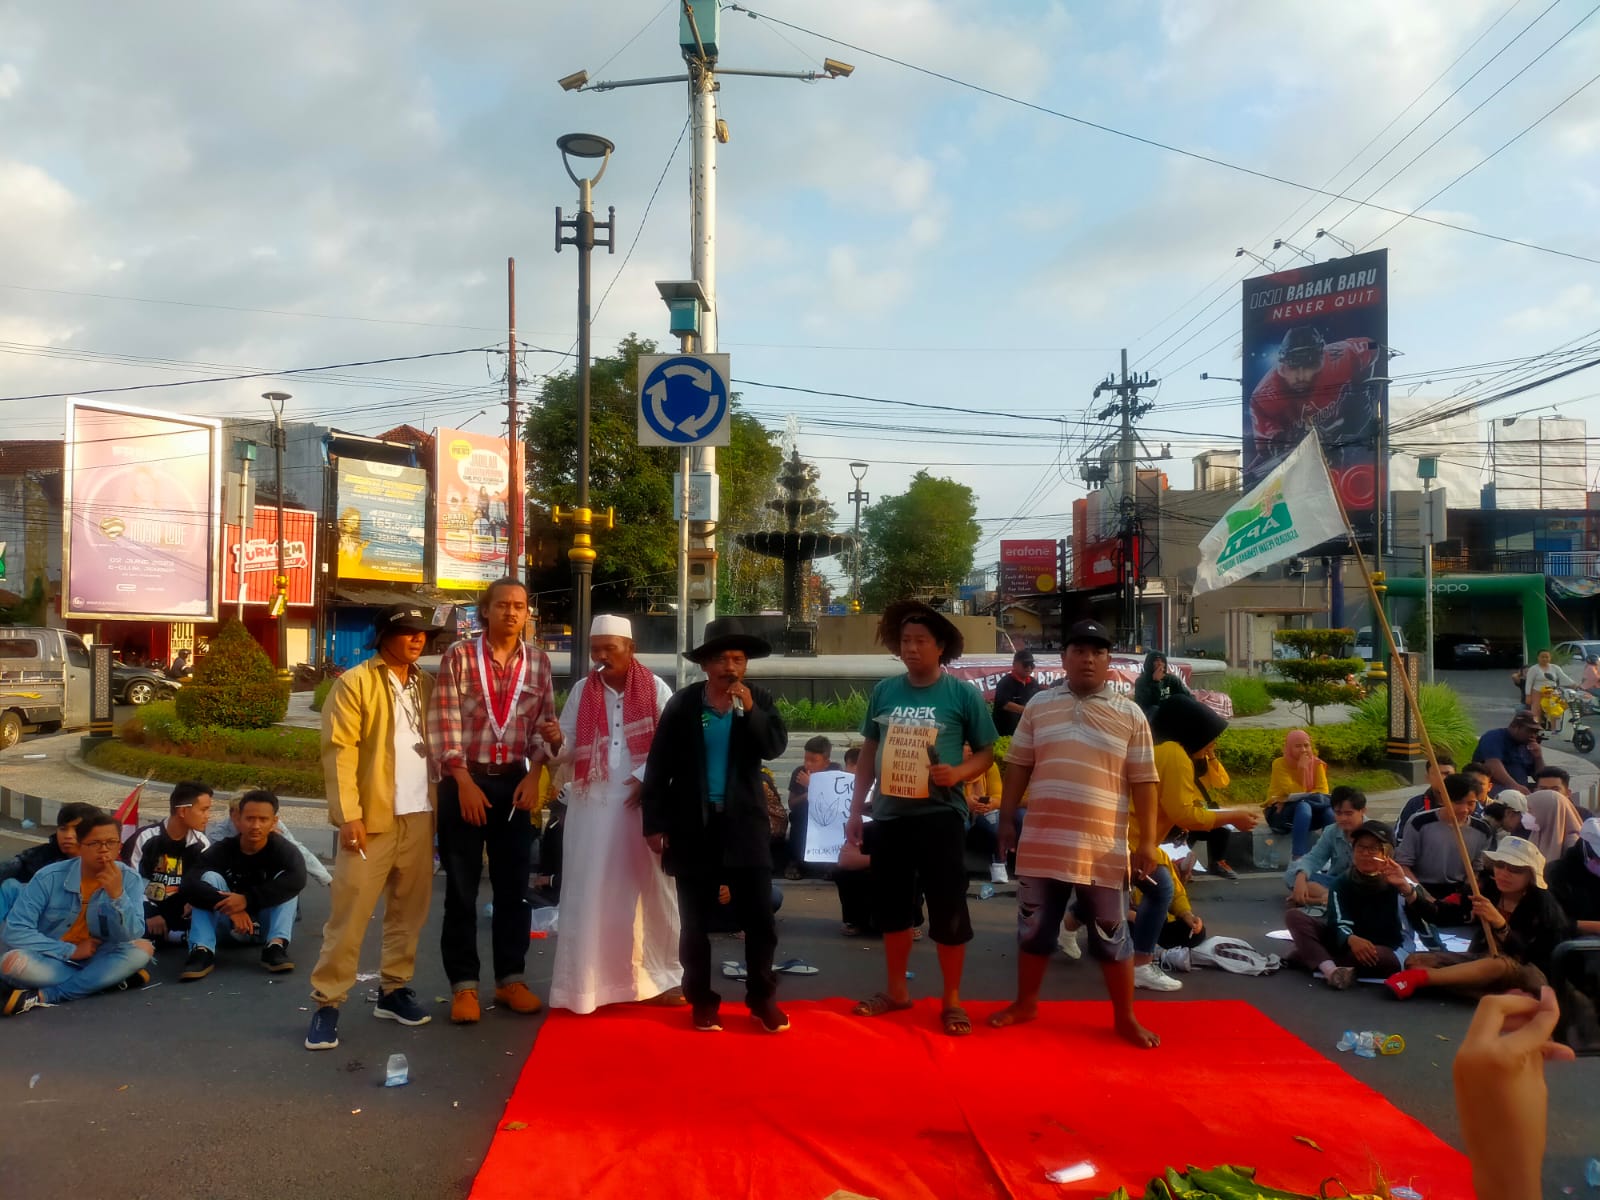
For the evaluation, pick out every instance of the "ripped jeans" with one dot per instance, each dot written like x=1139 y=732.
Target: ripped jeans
x=1042 y=904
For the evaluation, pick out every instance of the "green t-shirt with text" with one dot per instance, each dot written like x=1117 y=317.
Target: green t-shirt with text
x=904 y=721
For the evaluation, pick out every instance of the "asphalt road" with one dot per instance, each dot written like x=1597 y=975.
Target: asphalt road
x=204 y=1089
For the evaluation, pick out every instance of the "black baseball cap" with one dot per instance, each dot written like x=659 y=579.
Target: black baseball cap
x=1025 y=657
x=397 y=618
x=1373 y=829
x=1089 y=631
x=1524 y=715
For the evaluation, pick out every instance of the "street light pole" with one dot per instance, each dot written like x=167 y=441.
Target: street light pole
x=583 y=227
x=280 y=603
x=858 y=498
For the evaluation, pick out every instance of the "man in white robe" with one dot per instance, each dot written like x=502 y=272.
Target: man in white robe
x=618 y=939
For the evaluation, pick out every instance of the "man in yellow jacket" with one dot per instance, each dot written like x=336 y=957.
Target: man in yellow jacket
x=375 y=763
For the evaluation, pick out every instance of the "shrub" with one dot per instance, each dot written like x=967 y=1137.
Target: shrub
x=319 y=694
x=1251 y=751
x=1317 y=643
x=1001 y=745
x=234 y=685
x=1442 y=712
x=158 y=729
x=286 y=780
x=1248 y=693
x=826 y=716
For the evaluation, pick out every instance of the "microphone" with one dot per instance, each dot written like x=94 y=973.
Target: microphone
x=738 y=707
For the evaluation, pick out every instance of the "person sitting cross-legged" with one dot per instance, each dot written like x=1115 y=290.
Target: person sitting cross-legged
x=1362 y=931
x=77 y=927
x=226 y=825
x=1297 y=795
x=244 y=891
x=1528 y=924
x=164 y=852
x=1311 y=875
x=1575 y=881
x=1432 y=855
x=15 y=873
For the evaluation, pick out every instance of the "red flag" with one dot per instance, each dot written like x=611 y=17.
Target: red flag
x=127 y=813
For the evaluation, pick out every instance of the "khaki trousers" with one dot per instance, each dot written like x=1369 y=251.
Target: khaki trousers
x=399 y=868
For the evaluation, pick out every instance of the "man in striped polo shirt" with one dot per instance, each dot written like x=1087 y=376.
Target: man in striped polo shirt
x=1082 y=752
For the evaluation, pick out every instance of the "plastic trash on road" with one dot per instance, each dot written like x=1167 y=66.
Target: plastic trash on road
x=398 y=1072
x=1076 y=1173
x=545 y=920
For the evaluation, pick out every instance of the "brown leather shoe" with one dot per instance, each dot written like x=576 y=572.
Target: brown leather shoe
x=464 y=1008
x=518 y=998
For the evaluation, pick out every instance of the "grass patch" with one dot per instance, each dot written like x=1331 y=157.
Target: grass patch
x=1248 y=693
x=125 y=759
x=1252 y=789
x=157 y=729
x=319 y=694
x=826 y=716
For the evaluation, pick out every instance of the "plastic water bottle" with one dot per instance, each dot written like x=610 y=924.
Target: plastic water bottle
x=398 y=1072
x=1591 y=1172
x=1366 y=1045
x=488 y=909
x=1347 y=1040
x=986 y=892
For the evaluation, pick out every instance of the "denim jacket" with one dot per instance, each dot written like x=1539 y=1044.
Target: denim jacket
x=50 y=904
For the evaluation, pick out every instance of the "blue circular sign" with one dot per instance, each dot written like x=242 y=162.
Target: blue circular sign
x=684 y=400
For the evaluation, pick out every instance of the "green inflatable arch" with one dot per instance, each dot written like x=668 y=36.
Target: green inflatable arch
x=1529 y=589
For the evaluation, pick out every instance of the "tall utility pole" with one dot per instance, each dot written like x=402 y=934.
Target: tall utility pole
x=1127 y=408
x=515 y=549
x=699 y=32
x=858 y=471
x=280 y=601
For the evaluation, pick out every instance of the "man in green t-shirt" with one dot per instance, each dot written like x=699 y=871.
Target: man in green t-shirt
x=915 y=727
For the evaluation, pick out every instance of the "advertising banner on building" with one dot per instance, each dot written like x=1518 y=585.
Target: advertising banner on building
x=142 y=514
x=383 y=515
x=475 y=489
x=1315 y=337
x=1027 y=568
x=255 y=559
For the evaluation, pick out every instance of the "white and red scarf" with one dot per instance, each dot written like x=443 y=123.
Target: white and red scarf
x=639 y=717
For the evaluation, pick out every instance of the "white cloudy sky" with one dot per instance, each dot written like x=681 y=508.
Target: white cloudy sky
x=257 y=185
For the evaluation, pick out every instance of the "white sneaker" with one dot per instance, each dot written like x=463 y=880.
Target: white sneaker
x=997 y=873
x=1067 y=943
x=1176 y=959
x=1153 y=977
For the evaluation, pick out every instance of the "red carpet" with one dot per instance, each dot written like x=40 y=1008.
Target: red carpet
x=630 y=1102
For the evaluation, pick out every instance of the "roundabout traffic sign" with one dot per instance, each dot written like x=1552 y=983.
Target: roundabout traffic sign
x=683 y=400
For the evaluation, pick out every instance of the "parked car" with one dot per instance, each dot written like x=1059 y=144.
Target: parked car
x=44 y=682
x=1364 y=643
x=140 y=685
x=1576 y=652
x=1462 y=651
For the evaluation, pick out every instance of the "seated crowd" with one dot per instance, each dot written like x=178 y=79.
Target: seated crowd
x=85 y=911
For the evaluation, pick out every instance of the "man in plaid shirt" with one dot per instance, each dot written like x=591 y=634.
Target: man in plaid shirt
x=491 y=723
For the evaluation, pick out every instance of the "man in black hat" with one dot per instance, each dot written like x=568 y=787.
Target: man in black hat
x=375 y=763
x=705 y=813
x=913 y=733
x=1013 y=692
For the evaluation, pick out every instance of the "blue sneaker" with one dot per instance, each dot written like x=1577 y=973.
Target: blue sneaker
x=324 y=1031
x=401 y=1005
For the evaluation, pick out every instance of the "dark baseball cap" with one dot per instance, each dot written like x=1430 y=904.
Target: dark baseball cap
x=1025 y=657
x=1524 y=715
x=1089 y=631
x=403 y=618
x=1374 y=829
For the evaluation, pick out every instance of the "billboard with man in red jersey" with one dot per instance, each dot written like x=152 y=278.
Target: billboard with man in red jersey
x=1315 y=339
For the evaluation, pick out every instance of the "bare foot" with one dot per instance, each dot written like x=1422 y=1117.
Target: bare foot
x=1017 y=1013
x=1131 y=1030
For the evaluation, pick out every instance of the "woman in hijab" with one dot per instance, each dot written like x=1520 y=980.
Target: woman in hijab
x=1551 y=823
x=1297 y=794
x=1156 y=683
x=1185 y=733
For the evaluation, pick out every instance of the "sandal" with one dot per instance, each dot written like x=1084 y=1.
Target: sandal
x=955 y=1021
x=735 y=970
x=879 y=1003
x=795 y=966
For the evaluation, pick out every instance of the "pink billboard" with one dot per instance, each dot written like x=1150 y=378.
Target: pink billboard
x=142 y=514
x=476 y=497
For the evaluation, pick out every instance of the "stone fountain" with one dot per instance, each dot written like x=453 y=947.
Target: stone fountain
x=796 y=499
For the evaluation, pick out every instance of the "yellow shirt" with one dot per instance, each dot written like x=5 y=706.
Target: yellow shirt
x=1178 y=798
x=1285 y=783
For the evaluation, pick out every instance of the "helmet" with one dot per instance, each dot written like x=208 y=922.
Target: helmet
x=1302 y=347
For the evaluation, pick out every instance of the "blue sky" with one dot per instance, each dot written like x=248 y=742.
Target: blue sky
x=365 y=169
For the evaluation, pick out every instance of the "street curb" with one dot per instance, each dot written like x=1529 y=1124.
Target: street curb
x=77 y=764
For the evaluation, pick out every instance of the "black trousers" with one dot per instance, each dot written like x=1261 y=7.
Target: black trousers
x=509 y=841
x=699 y=913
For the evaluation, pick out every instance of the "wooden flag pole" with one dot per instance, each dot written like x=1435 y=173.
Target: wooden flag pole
x=1410 y=688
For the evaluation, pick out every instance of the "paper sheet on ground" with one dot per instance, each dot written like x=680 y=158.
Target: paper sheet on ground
x=1282 y=935
x=828 y=811
x=1455 y=943
x=1176 y=853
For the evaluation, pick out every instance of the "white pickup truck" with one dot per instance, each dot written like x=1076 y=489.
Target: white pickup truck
x=44 y=682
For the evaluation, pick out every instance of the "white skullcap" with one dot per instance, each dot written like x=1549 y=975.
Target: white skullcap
x=606 y=625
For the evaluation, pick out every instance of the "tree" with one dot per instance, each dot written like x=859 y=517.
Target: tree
x=638 y=559
x=1318 y=677
x=918 y=542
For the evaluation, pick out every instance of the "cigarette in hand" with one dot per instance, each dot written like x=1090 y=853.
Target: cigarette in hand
x=361 y=852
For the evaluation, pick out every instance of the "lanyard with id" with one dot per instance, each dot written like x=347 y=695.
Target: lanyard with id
x=500 y=717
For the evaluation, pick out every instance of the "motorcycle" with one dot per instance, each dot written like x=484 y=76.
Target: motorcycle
x=1556 y=705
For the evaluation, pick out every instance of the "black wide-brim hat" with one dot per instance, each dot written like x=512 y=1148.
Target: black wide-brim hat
x=944 y=630
x=724 y=634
